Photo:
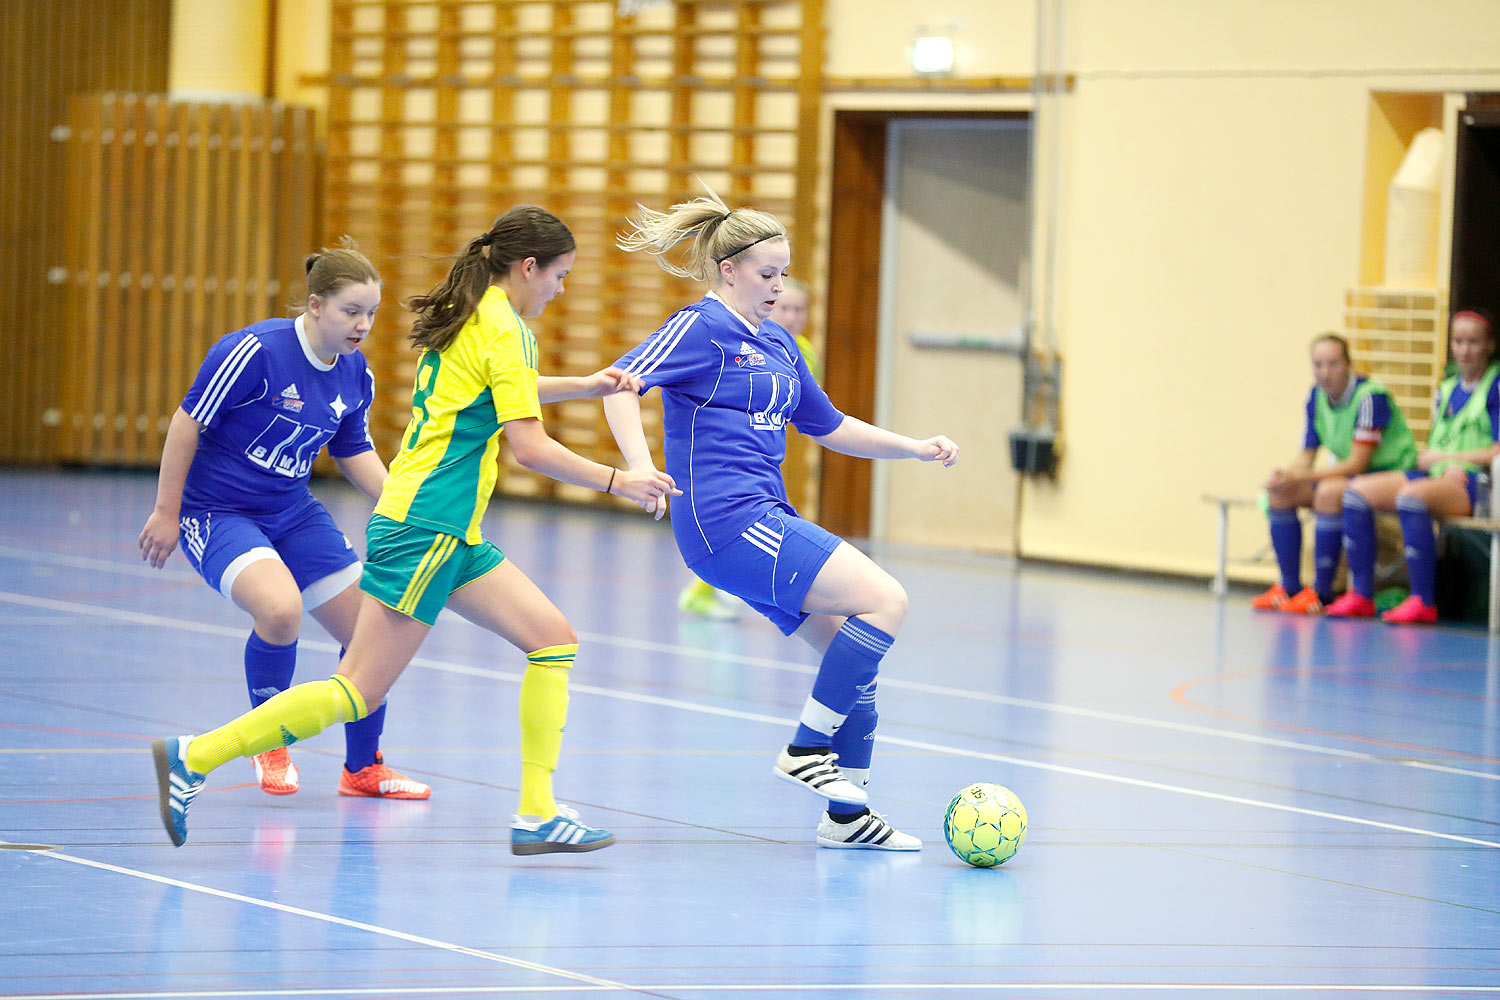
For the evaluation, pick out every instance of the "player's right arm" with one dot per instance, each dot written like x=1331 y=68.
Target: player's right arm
x=537 y=451
x=622 y=411
x=159 y=536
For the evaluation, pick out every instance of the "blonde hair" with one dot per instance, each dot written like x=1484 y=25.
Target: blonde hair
x=718 y=233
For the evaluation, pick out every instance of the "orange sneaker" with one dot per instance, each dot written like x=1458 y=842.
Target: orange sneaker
x=1271 y=600
x=1412 y=611
x=276 y=772
x=1351 y=605
x=1304 y=602
x=379 y=782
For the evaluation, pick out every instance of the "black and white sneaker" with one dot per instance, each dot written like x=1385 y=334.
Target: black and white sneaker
x=869 y=832
x=819 y=774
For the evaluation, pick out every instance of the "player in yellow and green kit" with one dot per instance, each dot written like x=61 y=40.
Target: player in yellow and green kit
x=476 y=376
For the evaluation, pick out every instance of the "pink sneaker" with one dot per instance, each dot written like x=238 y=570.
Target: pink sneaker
x=1411 y=611
x=1351 y=605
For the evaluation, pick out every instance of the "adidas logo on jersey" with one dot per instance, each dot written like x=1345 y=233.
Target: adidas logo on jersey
x=289 y=399
x=745 y=348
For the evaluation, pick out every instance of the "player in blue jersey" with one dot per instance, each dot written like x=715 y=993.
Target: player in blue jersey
x=791 y=312
x=1356 y=421
x=1463 y=441
x=731 y=379
x=233 y=487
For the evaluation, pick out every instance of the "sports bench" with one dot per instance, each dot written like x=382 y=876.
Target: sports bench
x=1490 y=525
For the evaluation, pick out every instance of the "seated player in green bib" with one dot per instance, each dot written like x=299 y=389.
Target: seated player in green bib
x=1461 y=444
x=1362 y=427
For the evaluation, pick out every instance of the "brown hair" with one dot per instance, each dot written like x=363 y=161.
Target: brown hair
x=524 y=231
x=1333 y=338
x=328 y=270
x=718 y=232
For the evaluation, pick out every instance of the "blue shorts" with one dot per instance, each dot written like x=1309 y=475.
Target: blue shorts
x=220 y=545
x=1471 y=482
x=771 y=566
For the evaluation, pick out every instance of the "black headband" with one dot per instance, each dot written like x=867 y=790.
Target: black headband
x=747 y=246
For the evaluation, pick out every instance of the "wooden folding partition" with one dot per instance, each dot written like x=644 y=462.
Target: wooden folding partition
x=48 y=52
x=1400 y=336
x=443 y=113
x=183 y=222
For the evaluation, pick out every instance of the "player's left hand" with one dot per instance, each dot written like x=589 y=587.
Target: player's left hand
x=938 y=449
x=609 y=381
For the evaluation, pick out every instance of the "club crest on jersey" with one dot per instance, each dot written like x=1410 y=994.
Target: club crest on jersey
x=289 y=399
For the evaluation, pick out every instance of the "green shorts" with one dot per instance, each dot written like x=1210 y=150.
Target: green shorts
x=413 y=570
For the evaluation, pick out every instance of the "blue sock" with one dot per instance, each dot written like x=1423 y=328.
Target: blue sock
x=1421 y=549
x=853 y=659
x=1359 y=543
x=1328 y=543
x=268 y=668
x=362 y=739
x=1286 y=540
x=855 y=744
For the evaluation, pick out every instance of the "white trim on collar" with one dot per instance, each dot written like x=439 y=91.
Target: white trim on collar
x=308 y=352
x=717 y=298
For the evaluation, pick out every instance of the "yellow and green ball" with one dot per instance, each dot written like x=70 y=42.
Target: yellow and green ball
x=985 y=824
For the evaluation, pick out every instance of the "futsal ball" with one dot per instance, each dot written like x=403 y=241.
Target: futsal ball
x=985 y=824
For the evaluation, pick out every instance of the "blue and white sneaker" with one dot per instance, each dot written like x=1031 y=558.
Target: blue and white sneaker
x=868 y=832
x=175 y=785
x=564 y=833
x=819 y=774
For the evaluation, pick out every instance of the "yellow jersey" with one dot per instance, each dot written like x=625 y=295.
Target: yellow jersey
x=444 y=474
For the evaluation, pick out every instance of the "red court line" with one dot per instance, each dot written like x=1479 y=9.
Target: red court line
x=75 y=732
x=1179 y=695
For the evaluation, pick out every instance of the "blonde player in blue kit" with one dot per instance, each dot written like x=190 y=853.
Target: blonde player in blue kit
x=791 y=312
x=476 y=377
x=233 y=486
x=731 y=379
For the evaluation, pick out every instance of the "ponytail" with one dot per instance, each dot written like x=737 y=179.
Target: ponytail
x=718 y=233
x=524 y=231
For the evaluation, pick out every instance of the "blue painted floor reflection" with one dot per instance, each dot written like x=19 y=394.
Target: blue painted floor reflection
x=1220 y=800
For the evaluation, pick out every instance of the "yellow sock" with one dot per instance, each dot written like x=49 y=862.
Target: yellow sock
x=544 y=715
x=701 y=589
x=294 y=714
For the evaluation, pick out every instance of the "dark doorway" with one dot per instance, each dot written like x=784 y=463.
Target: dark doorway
x=1475 y=280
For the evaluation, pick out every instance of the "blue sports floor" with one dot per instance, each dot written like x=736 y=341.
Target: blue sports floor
x=1222 y=803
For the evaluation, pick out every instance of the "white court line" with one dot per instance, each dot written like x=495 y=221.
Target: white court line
x=794 y=988
x=673 y=649
x=489 y=956
x=781 y=665
x=108 y=566
x=733 y=713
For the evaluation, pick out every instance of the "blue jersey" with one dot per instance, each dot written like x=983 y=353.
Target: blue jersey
x=267 y=405
x=728 y=390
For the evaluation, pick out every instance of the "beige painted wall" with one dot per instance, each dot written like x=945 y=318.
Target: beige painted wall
x=1212 y=166
x=219 y=48
x=1213 y=190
